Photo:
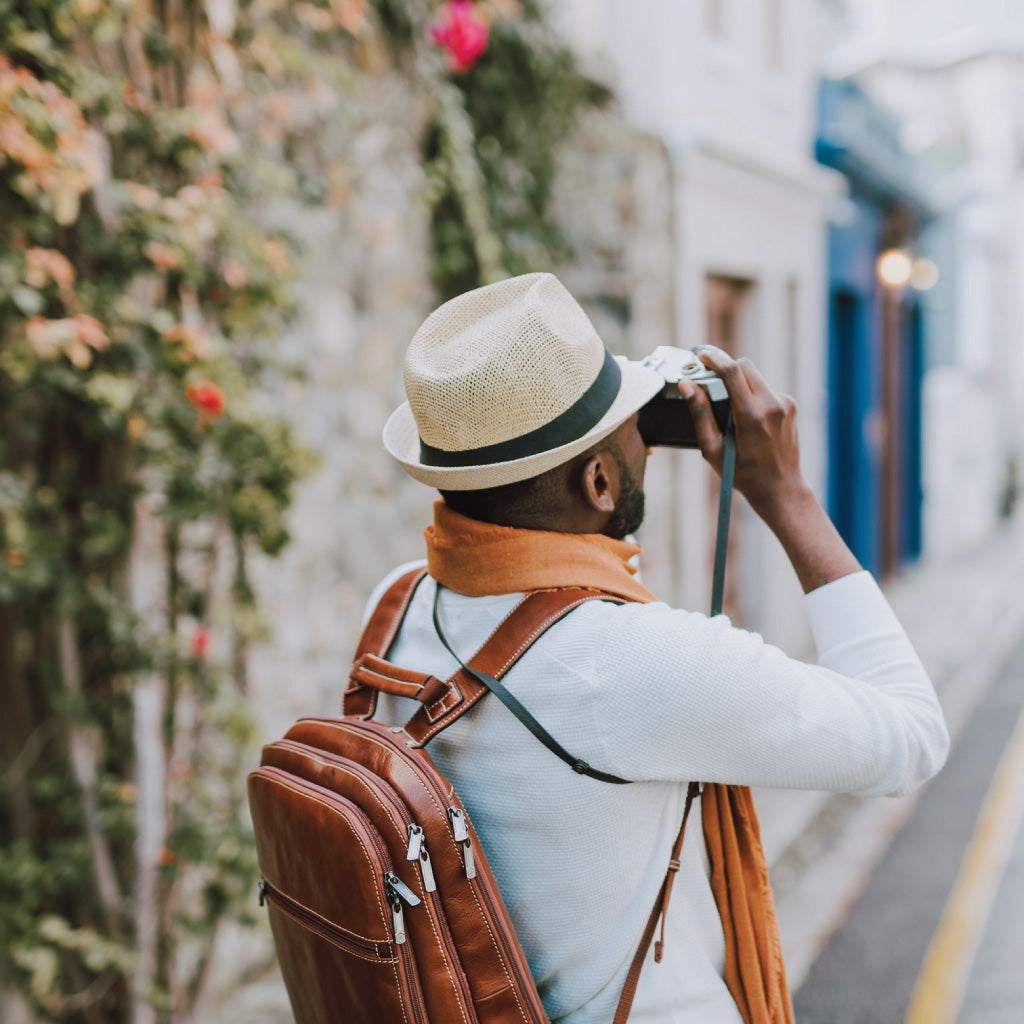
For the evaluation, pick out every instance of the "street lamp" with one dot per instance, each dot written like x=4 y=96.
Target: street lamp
x=894 y=268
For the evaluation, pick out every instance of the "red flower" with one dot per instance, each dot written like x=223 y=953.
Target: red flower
x=207 y=398
x=462 y=31
x=200 y=643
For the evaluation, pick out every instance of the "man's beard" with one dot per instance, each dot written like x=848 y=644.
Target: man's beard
x=629 y=509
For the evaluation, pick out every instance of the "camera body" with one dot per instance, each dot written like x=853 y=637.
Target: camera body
x=665 y=420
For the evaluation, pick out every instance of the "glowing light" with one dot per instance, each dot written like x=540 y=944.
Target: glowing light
x=894 y=268
x=924 y=275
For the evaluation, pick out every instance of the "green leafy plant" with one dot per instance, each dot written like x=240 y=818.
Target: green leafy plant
x=492 y=148
x=135 y=475
x=150 y=154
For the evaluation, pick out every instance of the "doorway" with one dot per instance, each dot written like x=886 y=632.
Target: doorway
x=728 y=311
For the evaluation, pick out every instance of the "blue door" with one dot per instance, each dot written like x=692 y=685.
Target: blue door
x=852 y=484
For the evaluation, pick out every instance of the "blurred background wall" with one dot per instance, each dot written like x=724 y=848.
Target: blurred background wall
x=757 y=164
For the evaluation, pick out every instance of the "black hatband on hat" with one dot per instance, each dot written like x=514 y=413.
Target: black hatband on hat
x=565 y=428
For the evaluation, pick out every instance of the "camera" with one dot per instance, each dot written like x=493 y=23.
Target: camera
x=665 y=420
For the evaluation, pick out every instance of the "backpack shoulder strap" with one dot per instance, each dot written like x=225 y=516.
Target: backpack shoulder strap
x=360 y=698
x=445 y=702
x=525 y=717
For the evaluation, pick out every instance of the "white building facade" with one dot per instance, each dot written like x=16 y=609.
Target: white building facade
x=729 y=90
x=954 y=75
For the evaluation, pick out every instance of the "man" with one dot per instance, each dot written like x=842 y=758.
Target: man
x=526 y=425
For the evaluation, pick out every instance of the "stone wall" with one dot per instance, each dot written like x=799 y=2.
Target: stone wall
x=364 y=291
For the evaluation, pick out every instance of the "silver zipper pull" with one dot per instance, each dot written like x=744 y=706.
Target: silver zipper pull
x=418 y=851
x=460 y=829
x=397 y=891
x=396 y=886
x=459 y=826
x=427 y=870
x=397 y=919
x=415 y=843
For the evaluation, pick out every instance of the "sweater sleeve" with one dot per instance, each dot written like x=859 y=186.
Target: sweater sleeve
x=711 y=702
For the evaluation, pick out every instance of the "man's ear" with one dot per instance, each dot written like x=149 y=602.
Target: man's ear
x=599 y=482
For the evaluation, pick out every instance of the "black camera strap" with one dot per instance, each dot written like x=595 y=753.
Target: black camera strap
x=724 y=512
x=717 y=591
x=577 y=764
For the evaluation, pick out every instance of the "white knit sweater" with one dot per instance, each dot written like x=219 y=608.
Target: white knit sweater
x=660 y=696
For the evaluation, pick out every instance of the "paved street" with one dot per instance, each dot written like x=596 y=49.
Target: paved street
x=965 y=617
x=938 y=924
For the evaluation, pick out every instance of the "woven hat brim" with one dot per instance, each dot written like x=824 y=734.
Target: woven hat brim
x=639 y=385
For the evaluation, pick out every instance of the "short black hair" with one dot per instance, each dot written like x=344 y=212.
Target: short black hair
x=523 y=501
x=528 y=503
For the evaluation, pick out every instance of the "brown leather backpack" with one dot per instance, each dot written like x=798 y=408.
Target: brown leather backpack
x=381 y=901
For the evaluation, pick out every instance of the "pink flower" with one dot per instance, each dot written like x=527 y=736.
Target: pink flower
x=234 y=273
x=44 y=264
x=462 y=31
x=76 y=337
x=89 y=331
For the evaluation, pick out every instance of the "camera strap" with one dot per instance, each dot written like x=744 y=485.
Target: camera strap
x=510 y=701
x=724 y=512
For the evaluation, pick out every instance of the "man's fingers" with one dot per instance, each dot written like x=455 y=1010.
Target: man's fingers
x=705 y=427
x=755 y=379
x=731 y=372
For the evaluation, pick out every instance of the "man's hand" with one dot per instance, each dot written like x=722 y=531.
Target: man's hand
x=768 y=471
x=767 y=447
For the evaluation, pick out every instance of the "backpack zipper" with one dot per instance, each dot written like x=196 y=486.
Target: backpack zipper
x=417 y=851
x=524 y=982
x=460 y=830
x=398 y=891
x=401 y=813
x=325 y=929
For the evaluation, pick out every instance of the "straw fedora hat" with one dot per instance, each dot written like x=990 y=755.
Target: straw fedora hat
x=506 y=382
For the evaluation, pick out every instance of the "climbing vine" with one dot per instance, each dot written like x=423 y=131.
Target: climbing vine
x=136 y=472
x=151 y=155
x=492 y=144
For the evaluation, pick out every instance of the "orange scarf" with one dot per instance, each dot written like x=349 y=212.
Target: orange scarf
x=477 y=559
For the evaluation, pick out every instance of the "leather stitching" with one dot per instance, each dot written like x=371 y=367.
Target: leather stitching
x=337 y=765
x=540 y=629
x=333 y=808
x=341 y=726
